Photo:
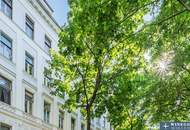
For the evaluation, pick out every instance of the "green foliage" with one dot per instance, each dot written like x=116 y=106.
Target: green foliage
x=172 y=31
x=159 y=97
x=101 y=68
x=94 y=50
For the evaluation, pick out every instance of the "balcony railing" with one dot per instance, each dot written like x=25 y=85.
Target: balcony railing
x=5 y=108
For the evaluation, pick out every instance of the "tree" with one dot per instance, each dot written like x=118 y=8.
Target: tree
x=97 y=46
x=164 y=95
x=105 y=40
x=128 y=102
x=168 y=99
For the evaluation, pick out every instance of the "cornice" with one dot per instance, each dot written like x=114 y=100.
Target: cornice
x=49 y=7
x=45 y=14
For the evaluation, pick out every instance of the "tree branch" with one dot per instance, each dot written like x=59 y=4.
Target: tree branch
x=157 y=23
x=136 y=10
x=172 y=16
x=97 y=85
x=90 y=49
x=84 y=83
x=183 y=67
x=183 y=4
x=123 y=70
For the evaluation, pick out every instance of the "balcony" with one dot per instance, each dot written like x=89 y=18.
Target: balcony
x=16 y=113
x=47 y=126
x=7 y=108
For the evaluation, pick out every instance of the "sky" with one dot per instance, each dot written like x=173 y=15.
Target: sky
x=61 y=9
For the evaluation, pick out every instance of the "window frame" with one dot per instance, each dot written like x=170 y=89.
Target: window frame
x=9 y=5
x=47 y=77
x=29 y=23
x=48 y=43
x=73 y=123
x=29 y=102
x=28 y=56
x=82 y=126
x=5 y=36
x=61 y=119
x=47 y=113
x=8 y=89
x=104 y=121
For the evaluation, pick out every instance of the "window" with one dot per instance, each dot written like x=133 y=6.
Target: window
x=29 y=27
x=6 y=7
x=47 y=77
x=5 y=90
x=47 y=44
x=61 y=119
x=72 y=124
x=104 y=121
x=29 y=64
x=111 y=127
x=29 y=99
x=47 y=107
x=82 y=127
x=4 y=127
x=5 y=46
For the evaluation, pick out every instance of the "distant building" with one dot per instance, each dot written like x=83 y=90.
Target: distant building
x=27 y=32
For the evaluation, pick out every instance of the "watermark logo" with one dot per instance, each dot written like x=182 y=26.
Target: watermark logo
x=175 y=126
x=166 y=126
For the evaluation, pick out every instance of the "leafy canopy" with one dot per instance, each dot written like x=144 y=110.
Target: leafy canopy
x=97 y=46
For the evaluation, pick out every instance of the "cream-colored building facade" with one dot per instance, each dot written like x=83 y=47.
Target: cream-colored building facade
x=27 y=32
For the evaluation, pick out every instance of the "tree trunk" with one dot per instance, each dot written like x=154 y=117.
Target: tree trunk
x=88 y=119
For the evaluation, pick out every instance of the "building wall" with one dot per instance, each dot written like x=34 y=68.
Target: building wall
x=14 y=115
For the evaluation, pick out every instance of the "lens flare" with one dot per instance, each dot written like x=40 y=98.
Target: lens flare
x=163 y=64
